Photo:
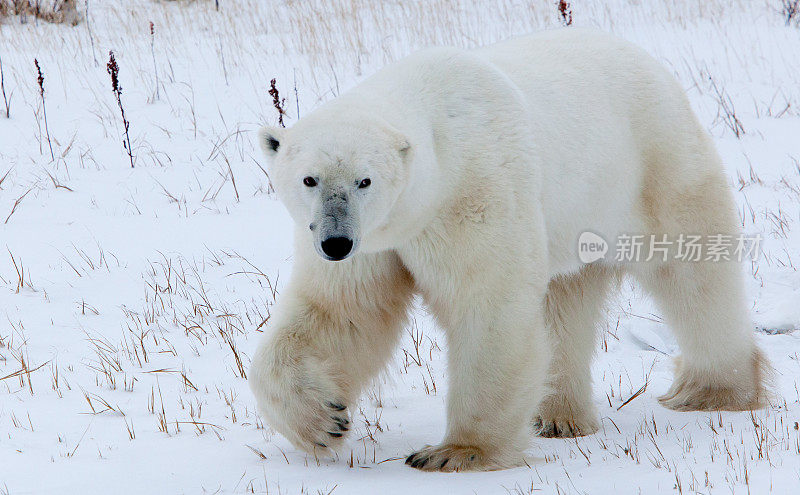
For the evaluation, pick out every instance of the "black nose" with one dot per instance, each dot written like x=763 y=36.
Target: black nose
x=337 y=248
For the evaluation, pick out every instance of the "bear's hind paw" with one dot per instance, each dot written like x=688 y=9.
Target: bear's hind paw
x=742 y=389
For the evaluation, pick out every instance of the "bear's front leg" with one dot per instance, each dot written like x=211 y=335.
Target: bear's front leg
x=497 y=363
x=332 y=331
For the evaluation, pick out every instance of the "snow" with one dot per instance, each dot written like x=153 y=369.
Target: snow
x=132 y=293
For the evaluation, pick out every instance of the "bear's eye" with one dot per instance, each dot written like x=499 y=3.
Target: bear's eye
x=364 y=183
x=310 y=182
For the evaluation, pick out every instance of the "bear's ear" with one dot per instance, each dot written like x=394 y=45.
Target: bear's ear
x=270 y=139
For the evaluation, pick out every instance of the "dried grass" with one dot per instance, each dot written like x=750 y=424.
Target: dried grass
x=56 y=12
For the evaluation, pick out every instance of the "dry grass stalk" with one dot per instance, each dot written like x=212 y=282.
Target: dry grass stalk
x=113 y=69
x=726 y=112
x=565 y=10
x=89 y=31
x=3 y=90
x=277 y=102
x=40 y=81
x=16 y=203
x=153 y=53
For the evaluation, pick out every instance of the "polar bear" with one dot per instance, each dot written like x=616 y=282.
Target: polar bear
x=466 y=177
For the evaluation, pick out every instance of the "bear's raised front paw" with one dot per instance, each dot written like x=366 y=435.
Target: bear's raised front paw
x=450 y=458
x=304 y=407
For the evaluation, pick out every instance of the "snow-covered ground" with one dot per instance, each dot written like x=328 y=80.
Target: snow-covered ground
x=131 y=299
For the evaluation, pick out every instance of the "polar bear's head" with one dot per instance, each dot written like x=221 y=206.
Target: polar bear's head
x=340 y=180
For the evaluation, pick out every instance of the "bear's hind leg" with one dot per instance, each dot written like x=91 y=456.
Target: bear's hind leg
x=573 y=308
x=686 y=194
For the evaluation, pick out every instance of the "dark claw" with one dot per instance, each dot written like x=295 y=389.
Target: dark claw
x=318 y=444
x=336 y=406
x=341 y=421
x=444 y=462
x=420 y=462
x=550 y=430
x=334 y=435
x=410 y=459
x=342 y=427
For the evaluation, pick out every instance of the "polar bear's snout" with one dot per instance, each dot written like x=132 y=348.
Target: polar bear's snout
x=334 y=233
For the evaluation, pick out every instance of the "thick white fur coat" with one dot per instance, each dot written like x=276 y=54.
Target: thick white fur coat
x=485 y=167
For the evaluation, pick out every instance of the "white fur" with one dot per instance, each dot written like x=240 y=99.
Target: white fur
x=486 y=166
